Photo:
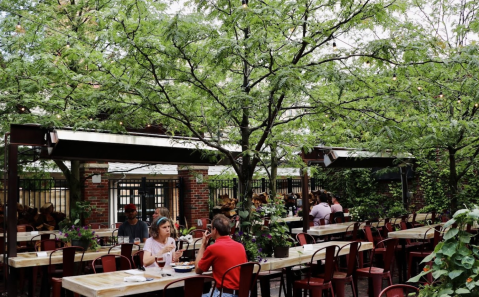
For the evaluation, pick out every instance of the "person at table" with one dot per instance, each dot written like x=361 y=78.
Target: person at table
x=220 y=256
x=335 y=206
x=290 y=204
x=322 y=210
x=164 y=212
x=133 y=227
x=160 y=244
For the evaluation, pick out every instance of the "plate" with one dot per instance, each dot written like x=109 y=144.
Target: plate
x=183 y=269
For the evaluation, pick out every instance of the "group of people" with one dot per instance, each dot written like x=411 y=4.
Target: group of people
x=326 y=209
x=159 y=242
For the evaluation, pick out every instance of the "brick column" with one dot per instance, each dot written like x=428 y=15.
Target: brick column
x=196 y=193
x=96 y=192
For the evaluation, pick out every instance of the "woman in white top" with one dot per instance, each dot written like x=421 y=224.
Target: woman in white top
x=160 y=244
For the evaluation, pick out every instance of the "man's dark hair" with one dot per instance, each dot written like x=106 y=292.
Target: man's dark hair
x=222 y=224
x=323 y=197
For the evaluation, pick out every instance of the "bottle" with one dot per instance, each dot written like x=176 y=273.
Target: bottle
x=290 y=213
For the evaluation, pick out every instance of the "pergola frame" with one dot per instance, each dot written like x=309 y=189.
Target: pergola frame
x=330 y=157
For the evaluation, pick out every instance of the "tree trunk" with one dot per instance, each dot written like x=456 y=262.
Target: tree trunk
x=274 y=171
x=453 y=179
x=72 y=177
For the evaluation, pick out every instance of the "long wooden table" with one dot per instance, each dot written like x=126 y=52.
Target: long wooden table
x=112 y=284
x=27 y=236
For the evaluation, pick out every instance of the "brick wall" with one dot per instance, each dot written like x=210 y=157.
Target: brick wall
x=96 y=193
x=196 y=193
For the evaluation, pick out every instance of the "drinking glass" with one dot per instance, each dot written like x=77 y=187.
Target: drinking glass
x=120 y=239
x=126 y=239
x=137 y=240
x=161 y=262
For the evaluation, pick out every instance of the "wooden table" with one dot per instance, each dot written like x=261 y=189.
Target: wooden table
x=112 y=284
x=27 y=236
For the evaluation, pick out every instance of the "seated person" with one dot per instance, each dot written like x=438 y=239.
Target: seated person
x=290 y=203
x=222 y=255
x=160 y=244
x=45 y=221
x=335 y=206
x=322 y=210
x=133 y=227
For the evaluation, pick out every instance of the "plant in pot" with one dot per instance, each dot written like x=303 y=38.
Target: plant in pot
x=82 y=236
x=278 y=232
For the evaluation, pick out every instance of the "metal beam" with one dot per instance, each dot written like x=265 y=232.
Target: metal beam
x=12 y=212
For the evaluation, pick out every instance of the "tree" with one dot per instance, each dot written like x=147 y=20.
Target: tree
x=423 y=99
x=218 y=67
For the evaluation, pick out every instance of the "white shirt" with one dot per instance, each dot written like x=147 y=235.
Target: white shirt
x=320 y=211
x=154 y=247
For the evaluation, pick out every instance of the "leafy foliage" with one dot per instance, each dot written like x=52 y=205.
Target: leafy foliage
x=455 y=267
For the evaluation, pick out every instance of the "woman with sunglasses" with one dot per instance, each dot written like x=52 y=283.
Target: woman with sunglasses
x=160 y=244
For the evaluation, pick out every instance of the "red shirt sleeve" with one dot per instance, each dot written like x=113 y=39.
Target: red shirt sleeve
x=207 y=261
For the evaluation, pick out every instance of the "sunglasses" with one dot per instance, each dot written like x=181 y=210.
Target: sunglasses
x=130 y=210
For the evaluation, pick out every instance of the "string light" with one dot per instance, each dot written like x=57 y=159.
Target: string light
x=394 y=76
x=327 y=115
x=441 y=95
x=121 y=123
x=18 y=26
x=419 y=88
x=245 y=3
x=334 y=46
x=58 y=116
x=22 y=109
x=148 y=125
x=459 y=100
x=91 y=119
x=368 y=63
x=476 y=105
x=68 y=44
x=324 y=124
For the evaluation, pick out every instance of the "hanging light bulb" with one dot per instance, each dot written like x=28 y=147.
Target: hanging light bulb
x=419 y=88
x=441 y=95
x=68 y=44
x=368 y=63
x=324 y=124
x=58 y=116
x=22 y=109
x=148 y=125
x=327 y=115
x=476 y=105
x=459 y=100
x=18 y=26
x=334 y=46
x=121 y=123
x=91 y=119
x=245 y=3
x=394 y=76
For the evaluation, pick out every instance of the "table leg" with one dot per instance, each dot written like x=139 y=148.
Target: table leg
x=289 y=282
x=12 y=285
x=403 y=274
x=45 y=287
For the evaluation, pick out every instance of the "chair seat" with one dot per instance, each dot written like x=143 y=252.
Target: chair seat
x=365 y=271
x=270 y=273
x=313 y=282
x=339 y=275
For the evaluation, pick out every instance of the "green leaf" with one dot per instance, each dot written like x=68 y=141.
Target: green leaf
x=243 y=214
x=462 y=291
x=451 y=233
x=455 y=273
x=438 y=273
x=449 y=248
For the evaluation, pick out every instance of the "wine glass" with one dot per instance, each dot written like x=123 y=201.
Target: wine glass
x=136 y=240
x=161 y=262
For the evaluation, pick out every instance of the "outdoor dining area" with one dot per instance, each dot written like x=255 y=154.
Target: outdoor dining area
x=345 y=258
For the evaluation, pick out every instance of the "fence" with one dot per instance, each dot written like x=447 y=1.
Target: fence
x=146 y=194
x=37 y=192
x=283 y=186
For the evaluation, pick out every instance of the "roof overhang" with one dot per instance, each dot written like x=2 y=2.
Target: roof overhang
x=64 y=144
x=352 y=158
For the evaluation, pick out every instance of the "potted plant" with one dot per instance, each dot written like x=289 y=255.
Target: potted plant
x=185 y=234
x=396 y=211
x=82 y=236
x=278 y=232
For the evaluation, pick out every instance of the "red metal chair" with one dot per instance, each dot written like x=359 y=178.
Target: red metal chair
x=425 y=250
x=247 y=280
x=68 y=267
x=126 y=251
x=352 y=232
x=138 y=259
x=193 y=286
x=305 y=238
x=377 y=274
x=315 y=283
x=341 y=278
x=115 y=225
x=108 y=263
x=399 y=291
x=204 y=223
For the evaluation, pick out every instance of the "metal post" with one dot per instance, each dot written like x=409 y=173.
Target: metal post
x=235 y=189
x=263 y=185
x=404 y=186
x=290 y=185
x=181 y=203
x=143 y=193
x=304 y=184
x=313 y=184
x=12 y=212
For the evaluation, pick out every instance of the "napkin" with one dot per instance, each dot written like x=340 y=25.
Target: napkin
x=135 y=278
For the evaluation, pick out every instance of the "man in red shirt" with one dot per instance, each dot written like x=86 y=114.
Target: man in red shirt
x=222 y=255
